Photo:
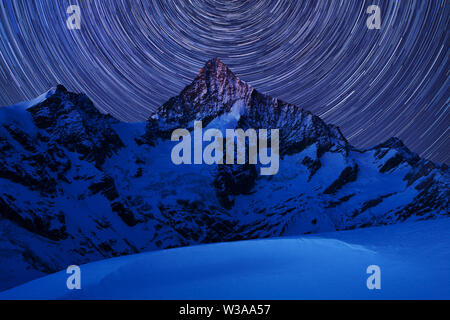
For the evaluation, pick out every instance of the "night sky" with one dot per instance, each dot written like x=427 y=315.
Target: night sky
x=131 y=56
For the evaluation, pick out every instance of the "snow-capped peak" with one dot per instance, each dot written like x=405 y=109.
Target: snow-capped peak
x=31 y=103
x=41 y=98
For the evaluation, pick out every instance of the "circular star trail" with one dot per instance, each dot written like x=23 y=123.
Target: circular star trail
x=131 y=56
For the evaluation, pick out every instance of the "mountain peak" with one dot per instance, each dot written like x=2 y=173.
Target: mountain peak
x=213 y=92
x=216 y=69
x=215 y=64
x=60 y=89
x=216 y=87
x=215 y=61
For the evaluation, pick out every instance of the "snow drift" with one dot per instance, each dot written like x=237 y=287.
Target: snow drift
x=413 y=257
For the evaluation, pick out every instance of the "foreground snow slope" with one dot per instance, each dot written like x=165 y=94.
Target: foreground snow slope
x=414 y=260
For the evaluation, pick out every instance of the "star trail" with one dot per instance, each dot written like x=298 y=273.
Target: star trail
x=131 y=56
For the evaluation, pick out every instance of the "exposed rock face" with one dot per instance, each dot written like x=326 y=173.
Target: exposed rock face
x=77 y=185
x=213 y=93
x=349 y=174
x=71 y=120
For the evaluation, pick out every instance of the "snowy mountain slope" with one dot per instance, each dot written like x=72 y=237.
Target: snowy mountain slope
x=413 y=258
x=78 y=186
